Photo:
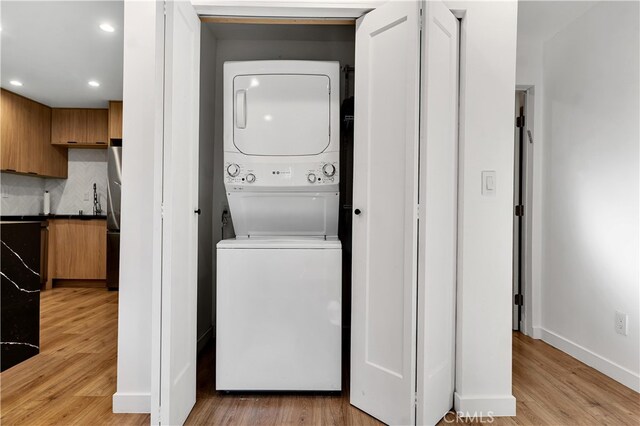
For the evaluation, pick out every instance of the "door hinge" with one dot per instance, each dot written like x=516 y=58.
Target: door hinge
x=415 y=398
x=417 y=210
x=161 y=210
x=518 y=299
x=520 y=121
x=519 y=210
x=420 y=21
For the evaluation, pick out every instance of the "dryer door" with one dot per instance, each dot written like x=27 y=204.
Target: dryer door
x=281 y=114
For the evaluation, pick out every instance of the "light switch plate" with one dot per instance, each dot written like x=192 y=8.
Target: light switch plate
x=489 y=182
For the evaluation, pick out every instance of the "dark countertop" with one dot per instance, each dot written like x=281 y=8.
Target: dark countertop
x=41 y=217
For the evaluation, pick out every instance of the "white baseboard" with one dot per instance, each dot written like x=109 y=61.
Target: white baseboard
x=537 y=332
x=603 y=365
x=131 y=402
x=477 y=406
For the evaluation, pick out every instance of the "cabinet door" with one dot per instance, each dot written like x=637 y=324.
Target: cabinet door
x=11 y=127
x=97 y=125
x=52 y=159
x=79 y=249
x=32 y=157
x=115 y=120
x=69 y=126
x=26 y=138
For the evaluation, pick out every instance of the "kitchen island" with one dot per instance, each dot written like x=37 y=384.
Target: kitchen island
x=19 y=292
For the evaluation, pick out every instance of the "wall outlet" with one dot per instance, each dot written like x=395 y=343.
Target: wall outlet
x=621 y=323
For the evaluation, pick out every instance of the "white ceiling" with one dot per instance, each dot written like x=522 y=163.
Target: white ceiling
x=55 y=47
x=539 y=20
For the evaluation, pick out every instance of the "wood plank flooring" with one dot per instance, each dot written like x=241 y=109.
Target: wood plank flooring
x=73 y=379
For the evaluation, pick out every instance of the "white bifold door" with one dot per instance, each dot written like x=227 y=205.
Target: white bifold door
x=174 y=392
x=404 y=225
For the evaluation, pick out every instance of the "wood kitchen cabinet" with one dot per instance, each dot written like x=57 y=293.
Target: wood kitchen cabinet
x=25 y=134
x=115 y=120
x=77 y=250
x=79 y=127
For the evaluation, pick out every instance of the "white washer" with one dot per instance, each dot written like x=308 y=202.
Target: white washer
x=279 y=281
x=279 y=314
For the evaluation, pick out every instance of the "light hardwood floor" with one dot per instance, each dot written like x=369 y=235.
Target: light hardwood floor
x=73 y=378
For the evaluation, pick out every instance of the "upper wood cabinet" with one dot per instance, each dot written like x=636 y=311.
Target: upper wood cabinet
x=81 y=127
x=97 y=126
x=115 y=120
x=25 y=134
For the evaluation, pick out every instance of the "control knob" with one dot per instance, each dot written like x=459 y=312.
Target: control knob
x=233 y=170
x=329 y=170
x=251 y=178
x=311 y=177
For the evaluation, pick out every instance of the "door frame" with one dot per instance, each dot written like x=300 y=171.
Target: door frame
x=528 y=313
x=237 y=8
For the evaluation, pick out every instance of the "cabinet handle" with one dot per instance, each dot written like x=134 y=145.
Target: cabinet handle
x=10 y=170
x=72 y=142
x=32 y=173
x=101 y=143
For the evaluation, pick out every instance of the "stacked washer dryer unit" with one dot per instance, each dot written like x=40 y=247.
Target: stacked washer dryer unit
x=279 y=281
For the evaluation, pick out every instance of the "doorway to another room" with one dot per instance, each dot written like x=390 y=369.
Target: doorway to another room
x=522 y=201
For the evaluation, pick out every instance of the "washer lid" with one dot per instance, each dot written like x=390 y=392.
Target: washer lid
x=281 y=114
x=293 y=214
x=280 y=243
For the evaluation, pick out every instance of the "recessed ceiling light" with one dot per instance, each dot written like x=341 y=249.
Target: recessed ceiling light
x=16 y=82
x=107 y=28
x=94 y=83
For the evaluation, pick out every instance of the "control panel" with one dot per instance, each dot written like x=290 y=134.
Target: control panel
x=246 y=175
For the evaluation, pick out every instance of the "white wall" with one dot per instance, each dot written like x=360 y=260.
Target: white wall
x=141 y=195
x=483 y=340
x=591 y=214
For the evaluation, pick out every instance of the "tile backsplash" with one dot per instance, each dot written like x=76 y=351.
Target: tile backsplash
x=23 y=195
x=20 y=194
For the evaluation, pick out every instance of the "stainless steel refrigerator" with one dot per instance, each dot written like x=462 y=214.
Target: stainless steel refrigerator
x=114 y=186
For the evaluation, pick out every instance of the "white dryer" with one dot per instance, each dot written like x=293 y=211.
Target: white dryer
x=279 y=281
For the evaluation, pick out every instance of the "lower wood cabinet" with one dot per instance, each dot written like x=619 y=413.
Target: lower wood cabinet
x=77 y=250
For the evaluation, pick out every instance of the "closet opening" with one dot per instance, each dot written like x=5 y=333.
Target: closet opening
x=248 y=39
